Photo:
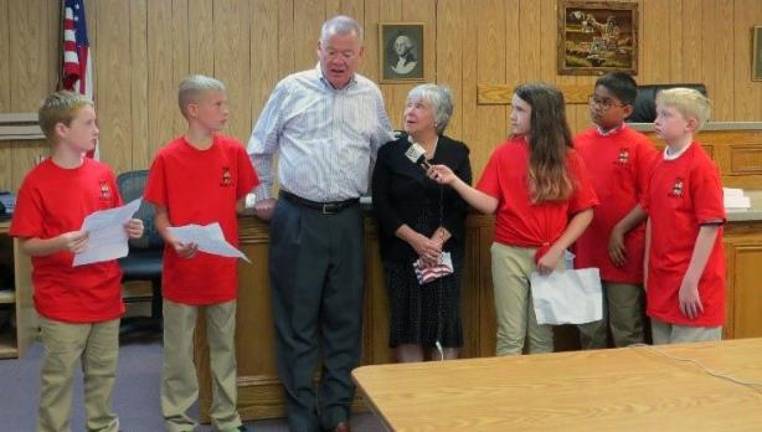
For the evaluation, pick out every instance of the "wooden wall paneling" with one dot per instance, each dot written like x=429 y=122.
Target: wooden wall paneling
x=264 y=54
x=692 y=42
x=376 y=312
x=353 y=8
x=676 y=54
x=371 y=18
x=308 y=18
x=512 y=76
x=201 y=37
x=468 y=103
x=29 y=75
x=425 y=11
x=717 y=56
x=573 y=115
x=747 y=301
x=114 y=108
x=231 y=62
x=257 y=370
x=162 y=91
x=530 y=45
x=491 y=67
x=286 y=37
x=654 y=52
x=394 y=94
x=748 y=100
x=180 y=54
x=487 y=320
x=548 y=46
x=449 y=59
x=6 y=49
x=141 y=153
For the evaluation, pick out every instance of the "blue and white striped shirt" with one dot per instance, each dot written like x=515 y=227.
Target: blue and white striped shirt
x=326 y=138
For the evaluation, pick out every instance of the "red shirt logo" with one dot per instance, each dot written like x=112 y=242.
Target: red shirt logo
x=105 y=191
x=227 y=178
x=624 y=157
x=677 y=188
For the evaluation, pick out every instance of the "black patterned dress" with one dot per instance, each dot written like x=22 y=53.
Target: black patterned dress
x=402 y=194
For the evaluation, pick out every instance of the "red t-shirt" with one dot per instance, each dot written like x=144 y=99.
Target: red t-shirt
x=619 y=165
x=683 y=194
x=518 y=222
x=52 y=201
x=201 y=187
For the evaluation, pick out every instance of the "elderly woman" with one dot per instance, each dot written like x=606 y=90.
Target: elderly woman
x=419 y=219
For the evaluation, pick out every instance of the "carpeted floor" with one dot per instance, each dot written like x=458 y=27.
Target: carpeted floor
x=136 y=395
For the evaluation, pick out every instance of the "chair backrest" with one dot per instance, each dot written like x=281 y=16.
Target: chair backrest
x=644 y=108
x=131 y=185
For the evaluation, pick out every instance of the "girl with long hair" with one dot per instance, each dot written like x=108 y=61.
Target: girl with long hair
x=537 y=187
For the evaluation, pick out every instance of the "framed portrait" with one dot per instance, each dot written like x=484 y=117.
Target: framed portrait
x=597 y=37
x=401 y=49
x=756 y=57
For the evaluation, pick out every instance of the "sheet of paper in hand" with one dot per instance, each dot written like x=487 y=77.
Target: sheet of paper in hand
x=106 y=237
x=209 y=239
x=567 y=297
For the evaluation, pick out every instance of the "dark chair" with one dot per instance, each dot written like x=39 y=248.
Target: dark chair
x=144 y=261
x=644 y=108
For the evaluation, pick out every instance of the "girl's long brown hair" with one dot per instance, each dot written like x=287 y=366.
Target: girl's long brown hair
x=549 y=142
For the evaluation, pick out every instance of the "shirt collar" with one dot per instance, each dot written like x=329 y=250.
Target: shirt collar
x=611 y=131
x=669 y=157
x=324 y=80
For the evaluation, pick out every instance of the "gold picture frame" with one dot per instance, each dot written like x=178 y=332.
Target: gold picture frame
x=756 y=56
x=597 y=37
x=401 y=52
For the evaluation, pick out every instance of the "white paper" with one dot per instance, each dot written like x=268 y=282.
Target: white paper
x=567 y=297
x=209 y=239
x=107 y=239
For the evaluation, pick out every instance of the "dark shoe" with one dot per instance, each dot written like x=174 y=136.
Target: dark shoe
x=342 y=427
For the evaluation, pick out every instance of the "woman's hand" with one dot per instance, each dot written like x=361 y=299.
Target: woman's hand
x=548 y=262
x=427 y=249
x=617 y=251
x=134 y=228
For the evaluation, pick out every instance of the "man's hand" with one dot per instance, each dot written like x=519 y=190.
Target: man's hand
x=264 y=209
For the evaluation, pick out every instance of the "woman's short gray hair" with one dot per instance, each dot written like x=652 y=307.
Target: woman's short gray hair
x=340 y=24
x=193 y=85
x=440 y=99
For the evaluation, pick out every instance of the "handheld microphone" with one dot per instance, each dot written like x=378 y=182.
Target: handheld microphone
x=417 y=155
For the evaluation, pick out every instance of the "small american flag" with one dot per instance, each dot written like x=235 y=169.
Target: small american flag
x=77 y=61
x=426 y=274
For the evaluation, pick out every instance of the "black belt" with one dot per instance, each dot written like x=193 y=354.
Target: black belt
x=327 y=208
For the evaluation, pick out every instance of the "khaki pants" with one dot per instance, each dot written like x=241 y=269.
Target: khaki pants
x=516 y=321
x=179 y=383
x=665 y=333
x=96 y=346
x=622 y=311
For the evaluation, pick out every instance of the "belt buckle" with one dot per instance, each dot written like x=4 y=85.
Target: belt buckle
x=330 y=209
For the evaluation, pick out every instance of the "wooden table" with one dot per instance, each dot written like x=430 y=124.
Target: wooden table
x=628 y=389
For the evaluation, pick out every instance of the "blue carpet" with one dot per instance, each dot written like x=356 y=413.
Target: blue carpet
x=136 y=395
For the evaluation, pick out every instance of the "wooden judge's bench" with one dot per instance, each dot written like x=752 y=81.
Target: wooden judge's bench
x=737 y=149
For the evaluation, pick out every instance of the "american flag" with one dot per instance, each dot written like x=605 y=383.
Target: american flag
x=426 y=274
x=77 y=61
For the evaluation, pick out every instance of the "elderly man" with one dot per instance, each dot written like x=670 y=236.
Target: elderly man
x=327 y=124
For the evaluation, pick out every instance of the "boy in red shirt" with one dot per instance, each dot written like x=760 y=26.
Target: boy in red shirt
x=618 y=160
x=199 y=178
x=685 y=263
x=79 y=307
